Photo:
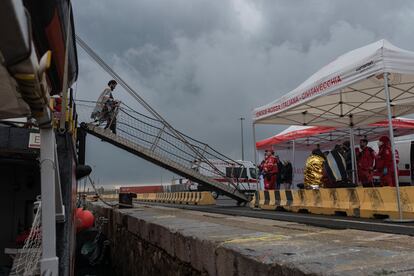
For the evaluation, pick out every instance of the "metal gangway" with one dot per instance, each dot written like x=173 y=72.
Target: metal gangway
x=152 y=138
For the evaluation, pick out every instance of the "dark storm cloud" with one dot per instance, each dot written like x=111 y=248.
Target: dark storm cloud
x=305 y=22
x=119 y=25
x=203 y=64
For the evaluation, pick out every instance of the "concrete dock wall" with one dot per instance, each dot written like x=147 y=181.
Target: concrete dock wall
x=147 y=243
x=155 y=240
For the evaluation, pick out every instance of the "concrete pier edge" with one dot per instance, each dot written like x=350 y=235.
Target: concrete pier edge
x=150 y=240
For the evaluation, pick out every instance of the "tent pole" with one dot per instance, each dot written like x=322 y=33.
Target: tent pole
x=255 y=156
x=391 y=130
x=293 y=161
x=355 y=161
x=352 y=149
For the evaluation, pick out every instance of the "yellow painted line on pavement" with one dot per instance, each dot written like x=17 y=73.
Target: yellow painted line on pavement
x=257 y=239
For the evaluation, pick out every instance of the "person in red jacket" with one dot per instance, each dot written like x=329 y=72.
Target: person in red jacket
x=365 y=161
x=384 y=164
x=261 y=166
x=270 y=170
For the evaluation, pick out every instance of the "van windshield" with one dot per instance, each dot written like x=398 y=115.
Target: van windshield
x=253 y=173
x=236 y=172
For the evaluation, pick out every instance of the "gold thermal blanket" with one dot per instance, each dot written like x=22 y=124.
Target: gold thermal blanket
x=313 y=171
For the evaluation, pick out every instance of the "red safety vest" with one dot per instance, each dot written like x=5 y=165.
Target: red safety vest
x=270 y=165
x=384 y=158
x=366 y=159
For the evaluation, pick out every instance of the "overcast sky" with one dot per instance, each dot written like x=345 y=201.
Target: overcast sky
x=205 y=63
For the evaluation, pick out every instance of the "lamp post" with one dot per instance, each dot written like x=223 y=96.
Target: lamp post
x=242 y=140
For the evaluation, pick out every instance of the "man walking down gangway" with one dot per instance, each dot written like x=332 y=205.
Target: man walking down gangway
x=106 y=108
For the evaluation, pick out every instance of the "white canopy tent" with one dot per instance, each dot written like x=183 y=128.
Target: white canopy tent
x=364 y=86
x=351 y=88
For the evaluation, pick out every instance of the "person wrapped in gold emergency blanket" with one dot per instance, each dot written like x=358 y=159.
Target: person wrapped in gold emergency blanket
x=313 y=174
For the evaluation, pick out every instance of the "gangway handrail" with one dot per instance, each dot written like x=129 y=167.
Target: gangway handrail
x=132 y=126
x=124 y=143
x=224 y=158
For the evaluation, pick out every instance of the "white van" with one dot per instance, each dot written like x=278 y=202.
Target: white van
x=243 y=174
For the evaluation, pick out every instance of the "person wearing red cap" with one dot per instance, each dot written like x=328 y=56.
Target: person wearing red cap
x=384 y=163
x=365 y=162
x=270 y=170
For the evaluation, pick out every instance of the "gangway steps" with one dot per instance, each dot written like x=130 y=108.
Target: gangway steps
x=153 y=157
